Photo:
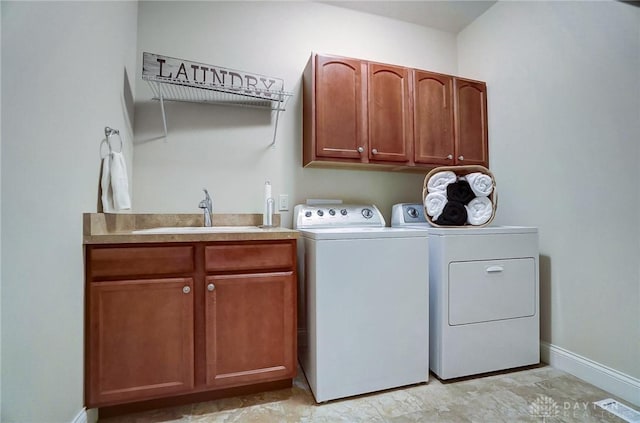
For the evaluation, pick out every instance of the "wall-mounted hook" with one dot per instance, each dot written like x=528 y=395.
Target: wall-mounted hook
x=108 y=132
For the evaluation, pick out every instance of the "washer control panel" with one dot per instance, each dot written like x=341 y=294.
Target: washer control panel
x=336 y=215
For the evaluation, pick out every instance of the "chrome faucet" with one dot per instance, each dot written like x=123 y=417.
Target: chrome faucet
x=207 y=207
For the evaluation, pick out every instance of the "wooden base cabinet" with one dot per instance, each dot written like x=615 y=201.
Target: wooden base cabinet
x=165 y=320
x=249 y=327
x=141 y=339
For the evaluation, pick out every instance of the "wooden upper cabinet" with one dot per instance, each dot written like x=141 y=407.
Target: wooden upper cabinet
x=358 y=112
x=471 y=122
x=389 y=113
x=433 y=118
x=339 y=108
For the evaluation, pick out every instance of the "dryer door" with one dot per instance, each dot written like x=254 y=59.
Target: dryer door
x=488 y=290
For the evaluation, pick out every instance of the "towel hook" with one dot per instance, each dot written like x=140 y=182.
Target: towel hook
x=108 y=132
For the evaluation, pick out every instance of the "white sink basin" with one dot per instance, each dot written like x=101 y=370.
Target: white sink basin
x=197 y=229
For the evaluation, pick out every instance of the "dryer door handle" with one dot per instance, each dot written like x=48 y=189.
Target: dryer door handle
x=494 y=269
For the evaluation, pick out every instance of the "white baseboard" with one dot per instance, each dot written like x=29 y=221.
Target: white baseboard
x=606 y=378
x=86 y=416
x=81 y=417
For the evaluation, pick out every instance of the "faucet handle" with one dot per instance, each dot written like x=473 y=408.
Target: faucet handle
x=207 y=206
x=207 y=202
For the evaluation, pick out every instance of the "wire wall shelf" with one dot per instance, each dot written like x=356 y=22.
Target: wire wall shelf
x=242 y=91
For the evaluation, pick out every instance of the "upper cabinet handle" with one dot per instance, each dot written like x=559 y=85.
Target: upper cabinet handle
x=360 y=149
x=450 y=156
x=374 y=151
x=460 y=157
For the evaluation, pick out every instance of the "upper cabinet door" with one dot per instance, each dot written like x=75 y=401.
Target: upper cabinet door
x=471 y=122
x=339 y=107
x=433 y=118
x=389 y=113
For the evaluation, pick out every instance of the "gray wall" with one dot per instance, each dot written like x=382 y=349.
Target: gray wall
x=63 y=70
x=63 y=81
x=564 y=130
x=227 y=149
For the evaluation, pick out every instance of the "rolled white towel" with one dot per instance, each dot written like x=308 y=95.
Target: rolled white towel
x=481 y=184
x=438 y=181
x=479 y=211
x=434 y=203
x=119 y=182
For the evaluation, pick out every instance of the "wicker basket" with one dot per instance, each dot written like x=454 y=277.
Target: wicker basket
x=461 y=171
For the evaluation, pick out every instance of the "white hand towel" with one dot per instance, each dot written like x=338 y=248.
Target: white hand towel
x=438 y=181
x=105 y=185
x=119 y=182
x=479 y=211
x=481 y=184
x=434 y=203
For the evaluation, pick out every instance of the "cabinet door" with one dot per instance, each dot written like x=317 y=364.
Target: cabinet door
x=250 y=328
x=433 y=118
x=471 y=122
x=389 y=116
x=140 y=339
x=339 y=108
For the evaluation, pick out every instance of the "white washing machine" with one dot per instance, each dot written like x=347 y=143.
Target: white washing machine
x=484 y=295
x=363 y=301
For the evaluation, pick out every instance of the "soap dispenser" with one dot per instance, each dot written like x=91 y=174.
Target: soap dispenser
x=267 y=214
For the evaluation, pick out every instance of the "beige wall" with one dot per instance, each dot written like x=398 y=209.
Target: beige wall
x=62 y=82
x=226 y=149
x=544 y=127
x=564 y=125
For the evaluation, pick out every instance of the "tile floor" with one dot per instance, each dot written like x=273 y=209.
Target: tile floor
x=540 y=394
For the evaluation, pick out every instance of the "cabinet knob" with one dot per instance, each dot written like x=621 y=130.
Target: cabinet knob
x=211 y=287
x=374 y=151
x=360 y=149
x=460 y=157
x=186 y=289
x=450 y=156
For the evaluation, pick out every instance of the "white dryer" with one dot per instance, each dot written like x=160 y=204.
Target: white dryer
x=484 y=295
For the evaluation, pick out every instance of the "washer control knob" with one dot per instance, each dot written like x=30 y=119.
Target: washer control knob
x=320 y=213
x=343 y=212
x=307 y=214
x=412 y=212
x=367 y=213
x=332 y=212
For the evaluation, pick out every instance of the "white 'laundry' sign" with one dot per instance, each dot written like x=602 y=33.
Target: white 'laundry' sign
x=184 y=72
